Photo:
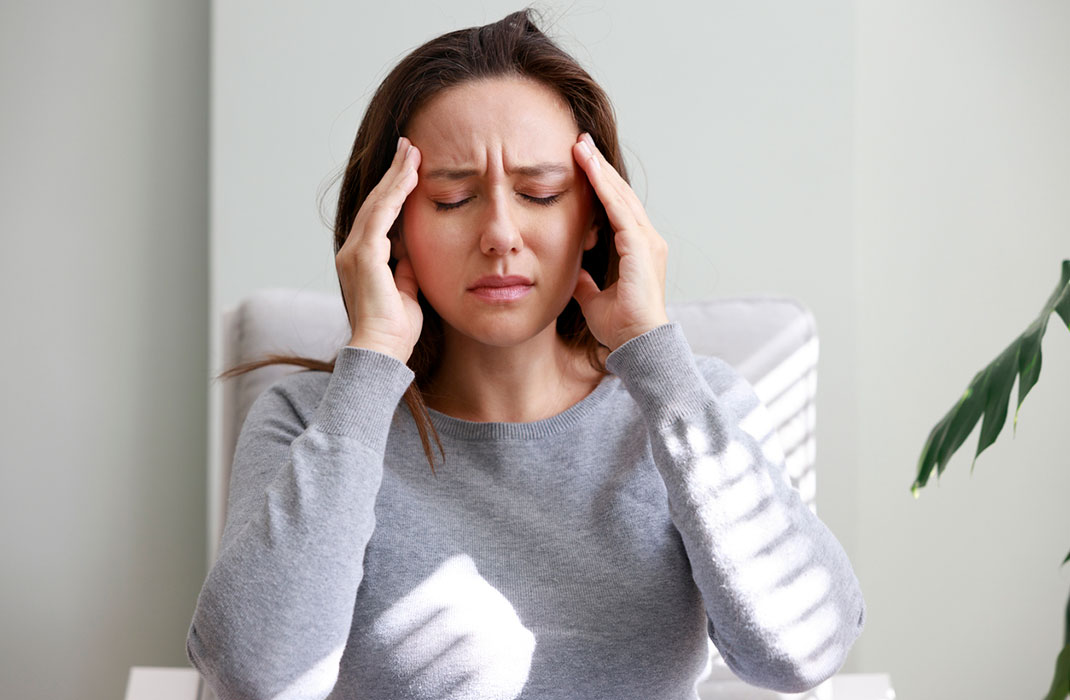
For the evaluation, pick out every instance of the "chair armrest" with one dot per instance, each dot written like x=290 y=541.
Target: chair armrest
x=842 y=686
x=155 y=683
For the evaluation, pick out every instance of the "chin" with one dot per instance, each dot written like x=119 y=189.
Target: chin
x=503 y=333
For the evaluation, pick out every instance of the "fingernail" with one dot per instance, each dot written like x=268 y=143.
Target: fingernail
x=400 y=140
x=588 y=139
x=588 y=153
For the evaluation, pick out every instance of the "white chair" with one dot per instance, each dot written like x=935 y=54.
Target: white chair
x=771 y=341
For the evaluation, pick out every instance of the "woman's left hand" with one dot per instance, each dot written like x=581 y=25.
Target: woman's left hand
x=635 y=302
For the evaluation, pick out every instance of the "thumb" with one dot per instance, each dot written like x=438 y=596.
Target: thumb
x=586 y=289
x=405 y=278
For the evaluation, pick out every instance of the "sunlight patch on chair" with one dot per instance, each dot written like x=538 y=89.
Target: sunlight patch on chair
x=789 y=371
x=457 y=628
x=787 y=392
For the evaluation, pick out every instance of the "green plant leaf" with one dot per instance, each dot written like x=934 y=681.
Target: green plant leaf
x=1066 y=629
x=988 y=393
x=1060 y=683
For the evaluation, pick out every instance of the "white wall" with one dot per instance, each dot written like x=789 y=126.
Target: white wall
x=879 y=161
x=962 y=169
x=103 y=296
x=875 y=160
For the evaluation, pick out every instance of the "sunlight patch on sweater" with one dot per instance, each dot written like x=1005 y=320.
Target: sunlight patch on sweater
x=786 y=604
x=455 y=628
x=764 y=571
x=807 y=636
x=746 y=538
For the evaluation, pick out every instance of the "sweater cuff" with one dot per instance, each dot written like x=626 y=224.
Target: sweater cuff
x=660 y=372
x=362 y=395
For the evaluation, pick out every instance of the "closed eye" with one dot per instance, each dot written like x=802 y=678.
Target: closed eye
x=542 y=201
x=443 y=206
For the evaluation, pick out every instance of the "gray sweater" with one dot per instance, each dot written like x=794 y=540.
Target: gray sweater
x=586 y=556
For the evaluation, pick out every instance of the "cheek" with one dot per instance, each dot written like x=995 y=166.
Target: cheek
x=431 y=247
x=416 y=232
x=579 y=222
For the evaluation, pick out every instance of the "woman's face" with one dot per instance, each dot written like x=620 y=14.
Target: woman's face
x=501 y=214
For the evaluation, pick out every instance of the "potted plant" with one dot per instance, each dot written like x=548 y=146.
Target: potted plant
x=988 y=395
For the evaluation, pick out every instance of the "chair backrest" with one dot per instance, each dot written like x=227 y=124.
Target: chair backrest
x=771 y=341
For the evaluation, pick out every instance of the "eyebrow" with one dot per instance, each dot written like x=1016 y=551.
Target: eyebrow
x=525 y=170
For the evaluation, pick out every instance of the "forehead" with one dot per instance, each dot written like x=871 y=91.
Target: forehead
x=521 y=119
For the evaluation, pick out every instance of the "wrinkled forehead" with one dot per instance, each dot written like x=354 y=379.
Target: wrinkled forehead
x=490 y=124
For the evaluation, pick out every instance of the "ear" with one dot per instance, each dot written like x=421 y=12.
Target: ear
x=591 y=237
x=397 y=242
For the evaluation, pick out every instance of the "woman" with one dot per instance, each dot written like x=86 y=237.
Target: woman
x=602 y=503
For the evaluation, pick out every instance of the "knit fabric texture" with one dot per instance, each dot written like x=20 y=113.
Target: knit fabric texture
x=589 y=555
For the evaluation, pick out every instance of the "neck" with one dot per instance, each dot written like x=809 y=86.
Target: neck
x=536 y=380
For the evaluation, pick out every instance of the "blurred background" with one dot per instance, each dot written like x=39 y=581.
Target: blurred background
x=902 y=169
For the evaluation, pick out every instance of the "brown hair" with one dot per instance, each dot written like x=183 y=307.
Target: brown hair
x=511 y=47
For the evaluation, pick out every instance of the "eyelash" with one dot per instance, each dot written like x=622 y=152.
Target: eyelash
x=541 y=201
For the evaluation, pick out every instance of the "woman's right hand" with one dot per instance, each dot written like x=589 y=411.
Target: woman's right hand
x=383 y=311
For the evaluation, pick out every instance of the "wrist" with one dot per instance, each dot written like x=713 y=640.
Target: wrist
x=637 y=329
x=387 y=346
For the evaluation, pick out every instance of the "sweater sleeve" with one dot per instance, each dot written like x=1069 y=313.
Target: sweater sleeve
x=276 y=607
x=782 y=601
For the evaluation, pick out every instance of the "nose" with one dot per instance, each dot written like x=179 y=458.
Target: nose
x=499 y=233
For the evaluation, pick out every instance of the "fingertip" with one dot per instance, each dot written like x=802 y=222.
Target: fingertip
x=410 y=176
x=404 y=184
x=587 y=154
x=585 y=287
x=580 y=152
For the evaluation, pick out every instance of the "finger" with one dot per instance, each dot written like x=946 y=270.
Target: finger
x=405 y=278
x=367 y=242
x=586 y=289
x=398 y=170
x=386 y=208
x=614 y=177
x=395 y=167
x=620 y=213
x=385 y=184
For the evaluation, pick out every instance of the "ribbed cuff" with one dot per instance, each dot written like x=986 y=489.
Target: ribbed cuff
x=362 y=395
x=659 y=371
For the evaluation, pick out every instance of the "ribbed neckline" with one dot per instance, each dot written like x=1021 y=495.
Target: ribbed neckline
x=534 y=430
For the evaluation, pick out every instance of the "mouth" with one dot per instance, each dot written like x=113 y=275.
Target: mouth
x=498 y=288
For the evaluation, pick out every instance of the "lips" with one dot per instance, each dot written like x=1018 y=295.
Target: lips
x=501 y=288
